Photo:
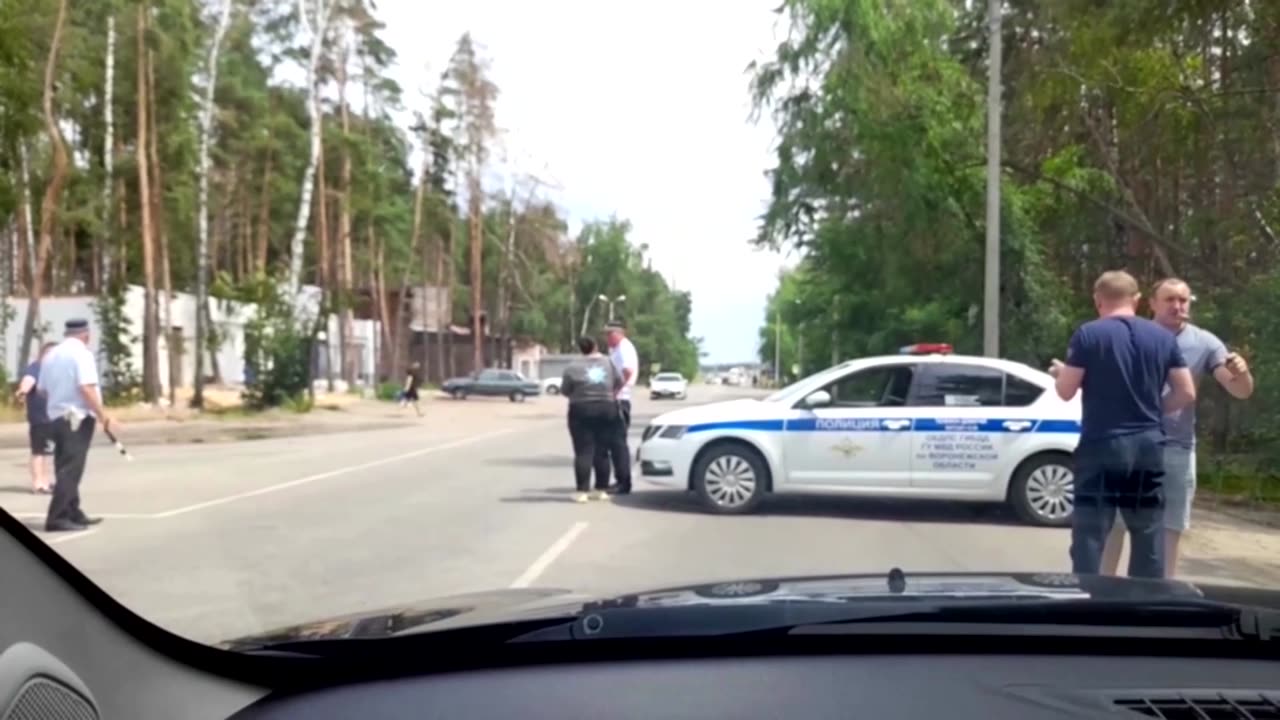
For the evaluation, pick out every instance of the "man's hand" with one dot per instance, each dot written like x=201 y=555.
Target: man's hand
x=109 y=424
x=1055 y=367
x=1236 y=365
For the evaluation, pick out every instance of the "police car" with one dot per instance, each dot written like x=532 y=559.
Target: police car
x=922 y=424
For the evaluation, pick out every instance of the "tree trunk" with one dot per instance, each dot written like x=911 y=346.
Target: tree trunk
x=150 y=331
x=379 y=278
x=442 y=320
x=477 y=271
x=325 y=271
x=264 y=212
x=108 y=158
x=416 y=242
x=52 y=191
x=398 y=327
x=343 y=251
x=451 y=274
x=29 y=266
x=162 y=234
x=317 y=25
x=202 y=203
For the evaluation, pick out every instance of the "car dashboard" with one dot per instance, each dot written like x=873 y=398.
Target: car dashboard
x=875 y=686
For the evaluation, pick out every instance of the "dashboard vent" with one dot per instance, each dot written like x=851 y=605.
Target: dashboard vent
x=1205 y=706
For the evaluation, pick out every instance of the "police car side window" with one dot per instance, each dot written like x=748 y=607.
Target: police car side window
x=1020 y=393
x=950 y=385
x=884 y=386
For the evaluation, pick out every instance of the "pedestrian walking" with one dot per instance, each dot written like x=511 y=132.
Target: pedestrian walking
x=1205 y=354
x=69 y=381
x=623 y=354
x=1121 y=363
x=412 y=383
x=39 y=430
x=591 y=384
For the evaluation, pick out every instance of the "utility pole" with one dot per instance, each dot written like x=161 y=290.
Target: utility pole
x=991 y=270
x=777 y=344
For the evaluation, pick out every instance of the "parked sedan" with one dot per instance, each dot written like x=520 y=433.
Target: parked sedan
x=492 y=383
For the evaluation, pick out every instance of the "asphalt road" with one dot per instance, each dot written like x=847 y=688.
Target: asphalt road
x=220 y=540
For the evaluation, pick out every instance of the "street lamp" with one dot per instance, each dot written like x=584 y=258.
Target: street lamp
x=605 y=299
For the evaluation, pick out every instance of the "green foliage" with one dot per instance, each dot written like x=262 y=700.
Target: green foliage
x=389 y=390
x=277 y=347
x=1136 y=134
x=121 y=381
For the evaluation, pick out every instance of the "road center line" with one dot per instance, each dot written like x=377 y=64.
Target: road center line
x=331 y=473
x=549 y=556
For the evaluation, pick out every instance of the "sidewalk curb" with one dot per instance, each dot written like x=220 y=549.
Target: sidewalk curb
x=204 y=433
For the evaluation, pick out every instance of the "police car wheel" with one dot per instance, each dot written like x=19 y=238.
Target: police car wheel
x=553 y=389
x=1043 y=490
x=730 y=478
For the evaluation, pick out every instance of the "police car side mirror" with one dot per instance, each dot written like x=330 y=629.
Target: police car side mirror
x=817 y=399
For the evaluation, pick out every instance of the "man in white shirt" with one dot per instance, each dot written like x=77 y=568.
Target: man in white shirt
x=69 y=382
x=623 y=354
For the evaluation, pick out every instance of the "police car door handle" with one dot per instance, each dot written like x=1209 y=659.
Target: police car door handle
x=1017 y=425
x=896 y=424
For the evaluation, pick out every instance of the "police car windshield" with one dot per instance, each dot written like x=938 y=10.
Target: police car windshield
x=792 y=391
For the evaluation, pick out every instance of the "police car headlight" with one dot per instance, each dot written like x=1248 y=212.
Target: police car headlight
x=649 y=432
x=673 y=432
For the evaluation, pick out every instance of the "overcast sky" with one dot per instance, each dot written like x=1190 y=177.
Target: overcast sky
x=638 y=109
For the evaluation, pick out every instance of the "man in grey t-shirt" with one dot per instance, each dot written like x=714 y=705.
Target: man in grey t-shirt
x=1205 y=355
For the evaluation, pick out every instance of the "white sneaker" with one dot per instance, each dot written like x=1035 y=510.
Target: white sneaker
x=599 y=495
x=579 y=497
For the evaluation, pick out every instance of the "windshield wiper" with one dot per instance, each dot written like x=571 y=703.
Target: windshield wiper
x=995 y=615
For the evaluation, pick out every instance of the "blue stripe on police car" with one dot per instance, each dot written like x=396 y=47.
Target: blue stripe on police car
x=985 y=425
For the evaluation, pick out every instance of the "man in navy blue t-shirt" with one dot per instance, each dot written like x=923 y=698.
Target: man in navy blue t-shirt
x=39 y=428
x=1122 y=363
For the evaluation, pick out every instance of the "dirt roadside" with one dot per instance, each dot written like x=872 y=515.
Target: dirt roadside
x=143 y=426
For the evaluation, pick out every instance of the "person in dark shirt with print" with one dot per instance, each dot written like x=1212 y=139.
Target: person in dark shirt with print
x=39 y=429
x=1121 y=363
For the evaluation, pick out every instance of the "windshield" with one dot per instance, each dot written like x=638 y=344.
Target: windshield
x=394 y=302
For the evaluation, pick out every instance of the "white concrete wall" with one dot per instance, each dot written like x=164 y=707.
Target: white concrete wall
x=228 y=318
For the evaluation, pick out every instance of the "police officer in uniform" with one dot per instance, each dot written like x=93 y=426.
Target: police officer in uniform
x=622 y=352
x=69 y=382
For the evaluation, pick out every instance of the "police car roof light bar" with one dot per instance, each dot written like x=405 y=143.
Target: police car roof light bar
x=925 y=349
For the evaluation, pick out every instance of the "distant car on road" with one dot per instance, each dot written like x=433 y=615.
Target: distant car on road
x=668 y=385
x=493 y=382
x=922 y=424
x=551 y=385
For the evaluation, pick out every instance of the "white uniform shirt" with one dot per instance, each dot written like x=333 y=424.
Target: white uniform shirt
x=625 y=358
x=68 y=365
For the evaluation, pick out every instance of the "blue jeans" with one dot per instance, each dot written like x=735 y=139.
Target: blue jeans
x=1119 y=474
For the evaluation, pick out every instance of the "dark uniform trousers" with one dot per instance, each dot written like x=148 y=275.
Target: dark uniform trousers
x=70 y=452
x=622 y=450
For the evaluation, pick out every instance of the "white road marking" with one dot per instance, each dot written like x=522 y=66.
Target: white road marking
x=105 y=516
x=325 y=475
x=549 y=556
x=71 y=536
